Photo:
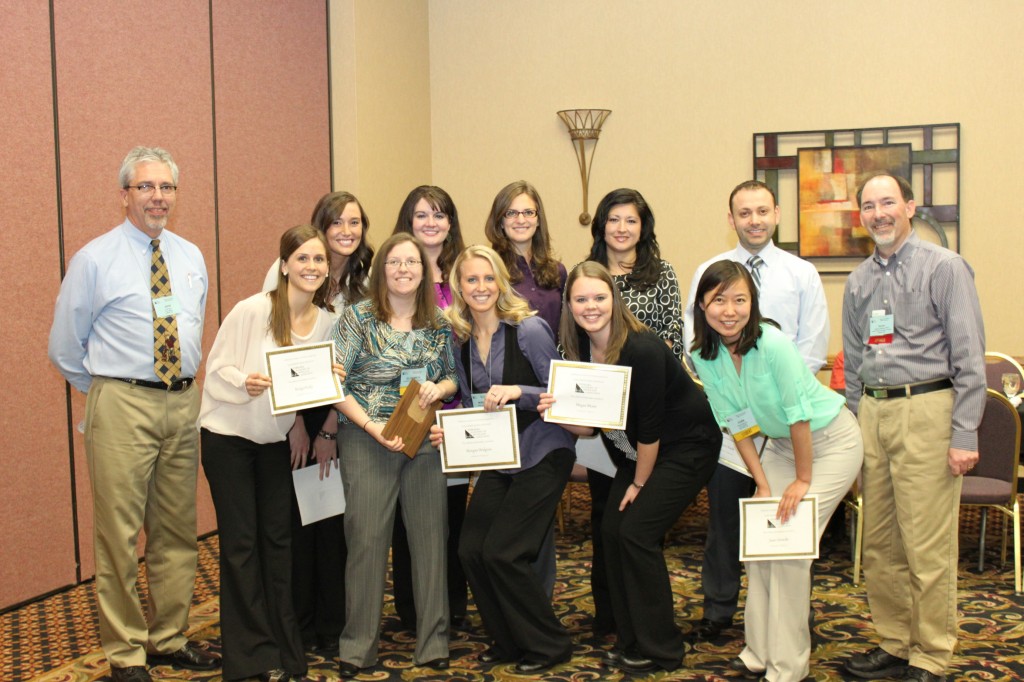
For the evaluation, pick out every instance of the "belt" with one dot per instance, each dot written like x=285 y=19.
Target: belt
x=176 y=385
x=887 y=392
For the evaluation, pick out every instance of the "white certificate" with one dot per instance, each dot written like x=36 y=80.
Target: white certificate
x=591 y=453
x=318 y=499
x=589 y=394
x=302 y=376
x=764 y=538
x=475 y=440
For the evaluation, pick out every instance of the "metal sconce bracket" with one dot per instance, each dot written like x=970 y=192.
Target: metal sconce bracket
x=584 y=125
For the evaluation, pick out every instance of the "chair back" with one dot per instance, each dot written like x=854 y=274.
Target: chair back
x=998 y=364
x=998 y=441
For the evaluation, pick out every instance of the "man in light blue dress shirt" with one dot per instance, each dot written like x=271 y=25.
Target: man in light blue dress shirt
x=141 y=438
x=791 y=294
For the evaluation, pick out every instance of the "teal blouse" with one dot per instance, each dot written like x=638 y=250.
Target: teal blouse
x=774 y=383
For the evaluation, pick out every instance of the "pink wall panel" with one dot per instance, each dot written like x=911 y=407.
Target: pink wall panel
x=35 y=491
x=128 y=74
x=273 y=136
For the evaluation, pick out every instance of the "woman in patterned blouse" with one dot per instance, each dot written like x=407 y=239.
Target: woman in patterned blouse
x=624 y=242
x=383 y=342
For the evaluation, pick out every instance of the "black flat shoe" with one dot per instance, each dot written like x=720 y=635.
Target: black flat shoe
x=612 y=657
x=526 y=667
x=346 y=669
x=436 y=664
x=708 y=629
x=635 y=664
x=491 y=655
x=277 y=675
x=738 y=666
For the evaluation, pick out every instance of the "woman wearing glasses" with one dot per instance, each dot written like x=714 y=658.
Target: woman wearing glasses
x=428 y=213
x=318 y=549
x=246 y=461
x=755 y=379
x=382 y=342
x=503 y=359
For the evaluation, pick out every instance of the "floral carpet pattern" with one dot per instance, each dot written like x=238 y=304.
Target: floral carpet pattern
x=991 y=621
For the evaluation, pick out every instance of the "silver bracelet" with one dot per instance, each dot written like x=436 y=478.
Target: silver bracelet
x=327 y=436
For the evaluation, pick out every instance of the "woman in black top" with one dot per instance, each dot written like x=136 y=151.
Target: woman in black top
x=665 y=455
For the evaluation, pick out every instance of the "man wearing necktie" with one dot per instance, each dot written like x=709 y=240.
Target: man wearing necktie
x=127 y=332
x=791 y=294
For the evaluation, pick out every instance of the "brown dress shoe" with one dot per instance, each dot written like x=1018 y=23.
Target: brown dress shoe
x=133 y=673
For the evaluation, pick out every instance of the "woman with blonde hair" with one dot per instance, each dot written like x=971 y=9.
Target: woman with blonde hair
x=665 y=455
x=503 y=358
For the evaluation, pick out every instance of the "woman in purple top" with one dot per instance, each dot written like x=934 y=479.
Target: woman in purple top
x=518 y=230
x=429 y=214
x=502 y=357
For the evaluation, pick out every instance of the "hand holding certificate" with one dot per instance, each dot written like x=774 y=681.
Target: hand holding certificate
x=589 y=394
x=763 y=537
x=302 y=376
x=476 y=440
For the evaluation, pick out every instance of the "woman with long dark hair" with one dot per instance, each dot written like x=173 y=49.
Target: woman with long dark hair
x=246 y=460
x=750 y=368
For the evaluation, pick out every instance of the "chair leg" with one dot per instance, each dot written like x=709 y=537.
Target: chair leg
x=1016 y=547
x=858 y=544
x=981 y=540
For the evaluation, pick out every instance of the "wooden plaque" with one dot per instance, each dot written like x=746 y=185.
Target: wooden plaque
x=409 y=421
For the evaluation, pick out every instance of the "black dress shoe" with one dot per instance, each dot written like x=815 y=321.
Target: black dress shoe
x=922 y=675
x=876 y=664
x=738 y=666
x=276 y=675
x=436 y=664
x=491 y=655
x=133 y=673
x=526 y=667
x=191 y=656
x=612 y=657
x=635 y=664
x=326 y=646
x=708 y=629
x=346 y=669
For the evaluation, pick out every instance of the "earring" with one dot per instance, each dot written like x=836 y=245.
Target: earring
x=285 y=273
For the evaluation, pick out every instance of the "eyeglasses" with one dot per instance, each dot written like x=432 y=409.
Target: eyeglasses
x=146 y=188
x=529 y=214
x=439 y=216
x=410 y=264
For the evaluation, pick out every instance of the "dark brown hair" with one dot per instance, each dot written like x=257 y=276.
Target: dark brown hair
x=542 y=262
x=352 y=282
x=646 y=271
x=279 y=323
x=439 y=200
x=425 y=316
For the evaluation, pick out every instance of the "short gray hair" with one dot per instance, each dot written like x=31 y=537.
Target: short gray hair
x=146 y=155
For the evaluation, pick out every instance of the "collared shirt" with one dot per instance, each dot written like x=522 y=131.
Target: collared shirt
x=772 y=382
x=103 y=322
x=658 y=306
x=547 y=302
x=791 y=294
x=538 y=346
x=938 y=334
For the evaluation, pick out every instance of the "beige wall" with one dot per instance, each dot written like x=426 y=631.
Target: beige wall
x=380 y=97
x=690 y=82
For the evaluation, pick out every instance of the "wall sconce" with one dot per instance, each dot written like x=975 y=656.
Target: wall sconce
x=584 y=125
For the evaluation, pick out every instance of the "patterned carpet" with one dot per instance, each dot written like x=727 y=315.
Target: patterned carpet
x=55 y=640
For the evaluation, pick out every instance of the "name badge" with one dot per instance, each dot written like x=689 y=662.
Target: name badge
x=165 y=306
x=417 y=373
x=742 y=424
x=881 y=327
x=478 y=399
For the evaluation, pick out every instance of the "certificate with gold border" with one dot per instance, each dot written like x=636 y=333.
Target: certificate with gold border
x=764 y=538
x=477 y=440
x=302 y=376
x=589 y=394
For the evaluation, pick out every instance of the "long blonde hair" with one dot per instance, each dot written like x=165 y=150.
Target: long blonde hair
x=622 y=323
x=511 y=307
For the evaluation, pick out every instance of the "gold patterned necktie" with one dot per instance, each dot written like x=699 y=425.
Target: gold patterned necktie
x=166 y=347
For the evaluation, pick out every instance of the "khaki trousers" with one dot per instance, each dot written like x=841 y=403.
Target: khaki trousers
x=911 y=515
x=142 y=446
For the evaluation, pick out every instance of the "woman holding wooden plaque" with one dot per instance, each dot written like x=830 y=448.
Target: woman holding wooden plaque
x=395 y=336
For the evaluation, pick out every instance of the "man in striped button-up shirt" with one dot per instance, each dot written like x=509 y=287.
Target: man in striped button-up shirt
x=914 y=344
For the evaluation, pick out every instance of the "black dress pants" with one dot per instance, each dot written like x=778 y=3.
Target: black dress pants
x=506 y=523
x=638 y=578
x=250 y=483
